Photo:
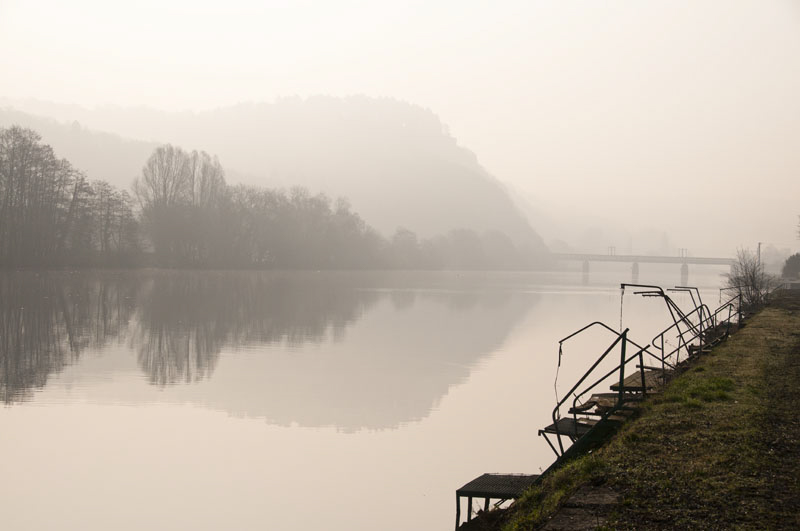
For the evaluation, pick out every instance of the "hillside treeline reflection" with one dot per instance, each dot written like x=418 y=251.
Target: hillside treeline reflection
x=384 y=347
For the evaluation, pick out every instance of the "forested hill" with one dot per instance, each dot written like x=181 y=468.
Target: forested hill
x=394 y=161
x=99 y=155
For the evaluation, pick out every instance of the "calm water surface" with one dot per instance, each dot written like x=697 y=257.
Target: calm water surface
x=286 y=401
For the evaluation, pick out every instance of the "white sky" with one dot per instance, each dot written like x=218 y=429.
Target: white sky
x=619 y=111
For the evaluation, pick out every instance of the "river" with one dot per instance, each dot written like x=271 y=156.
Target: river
x=287 y=401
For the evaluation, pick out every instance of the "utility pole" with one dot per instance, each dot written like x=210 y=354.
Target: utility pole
x=759 y=255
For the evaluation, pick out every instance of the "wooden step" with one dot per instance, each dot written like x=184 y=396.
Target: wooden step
x=570 y=427
x=600 y=404
x=694 y=349
x=633 y=383
x=614 y=396
x=583 y=408
x=499 y=486
x=600 y=411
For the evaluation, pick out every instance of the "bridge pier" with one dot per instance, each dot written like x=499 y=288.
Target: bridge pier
x=635 y=272
x=684 y=274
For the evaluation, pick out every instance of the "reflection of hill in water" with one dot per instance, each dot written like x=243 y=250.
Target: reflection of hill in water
x=392 y=347
x=351 y=350
x=394 y=367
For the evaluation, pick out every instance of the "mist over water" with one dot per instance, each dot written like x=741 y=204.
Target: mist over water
x=305 y=265
x=234 y=387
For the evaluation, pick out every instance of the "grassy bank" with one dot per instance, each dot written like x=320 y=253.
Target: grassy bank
x=719 y=449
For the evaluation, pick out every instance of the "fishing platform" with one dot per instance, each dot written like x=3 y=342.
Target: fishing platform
x=604 y=398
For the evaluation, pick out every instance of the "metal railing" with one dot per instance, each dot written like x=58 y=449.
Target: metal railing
x=620 y=340
x=692 y=330
x=705 y=331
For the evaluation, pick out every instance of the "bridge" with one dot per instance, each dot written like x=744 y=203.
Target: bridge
x=684 y=260
x=642 y=258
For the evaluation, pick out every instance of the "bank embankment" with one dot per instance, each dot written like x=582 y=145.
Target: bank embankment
x=718 y=449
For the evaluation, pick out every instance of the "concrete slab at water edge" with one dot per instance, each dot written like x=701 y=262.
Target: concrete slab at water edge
x=587 y=509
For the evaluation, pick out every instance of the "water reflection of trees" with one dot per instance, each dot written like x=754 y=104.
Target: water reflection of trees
x=187 y=318
x=393 y=368
x=182 y=323
x=419 y=337
x=48 y=319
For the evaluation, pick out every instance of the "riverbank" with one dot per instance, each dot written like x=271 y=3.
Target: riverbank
x=719 y=449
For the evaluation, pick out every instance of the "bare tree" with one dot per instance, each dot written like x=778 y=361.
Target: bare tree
x=49 y=213
x=206 y=179
x=165 y=179
x=113 y=223
x=181 y=195
x=748 y=278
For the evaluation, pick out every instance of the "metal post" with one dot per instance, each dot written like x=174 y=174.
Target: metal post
x=622 y=366
x=740 y=308
x=641 y=371
x=458 y=510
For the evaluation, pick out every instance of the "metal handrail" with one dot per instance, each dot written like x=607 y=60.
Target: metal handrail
x=621 y=339
x=659 y=338
x=658 y=291
x=738 y=299
x=683 y=323
x=712 y=318
x=600 y=380
x=684 y=343
x=692 y=290
x=555 y=415
x=727 y=321
x=600 y=323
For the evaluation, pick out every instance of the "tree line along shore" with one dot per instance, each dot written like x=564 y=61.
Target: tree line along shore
x=181 y=212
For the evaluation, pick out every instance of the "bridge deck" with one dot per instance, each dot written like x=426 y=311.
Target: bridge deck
x=643 y=258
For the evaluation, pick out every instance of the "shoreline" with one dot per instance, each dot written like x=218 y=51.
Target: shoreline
x=719 y=448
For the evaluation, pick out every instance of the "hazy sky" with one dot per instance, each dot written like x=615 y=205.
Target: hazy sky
x=620 y=113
